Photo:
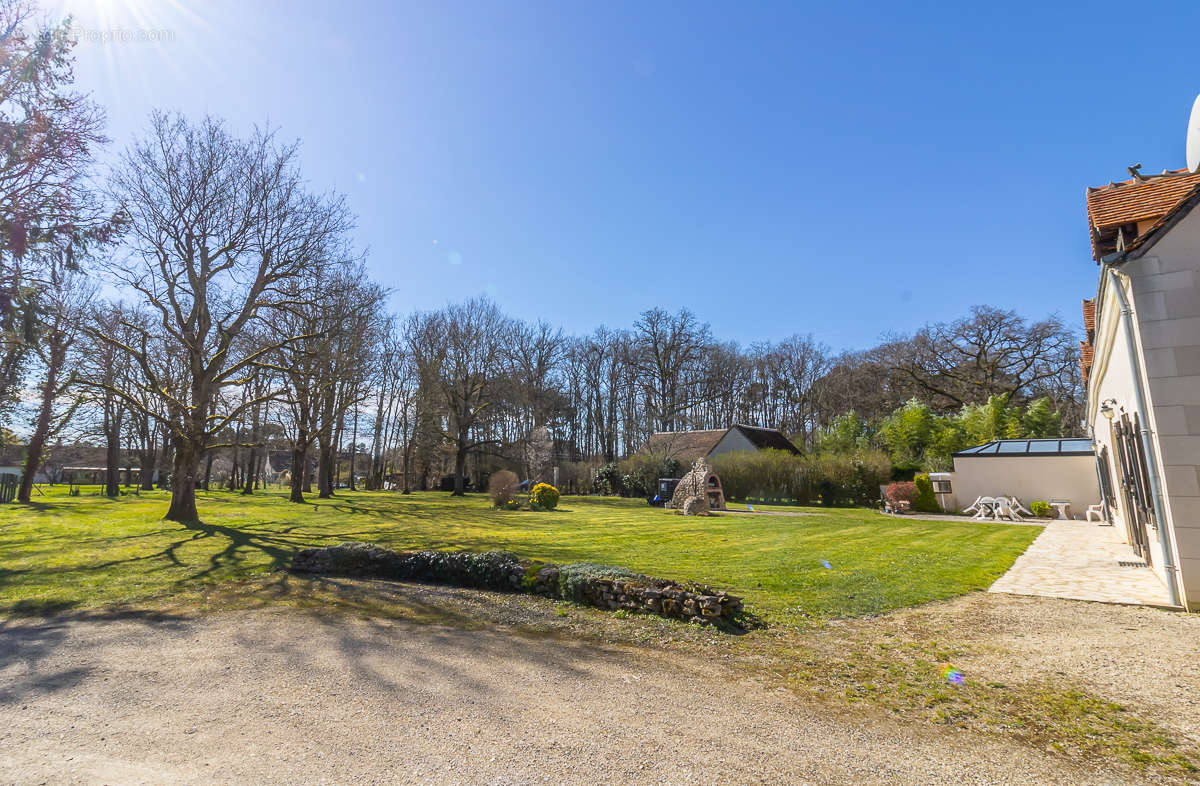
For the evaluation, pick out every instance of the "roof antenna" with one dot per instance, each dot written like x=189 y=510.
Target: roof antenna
x=1138 y=176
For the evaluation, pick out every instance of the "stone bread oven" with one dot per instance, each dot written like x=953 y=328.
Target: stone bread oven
x=699 y=491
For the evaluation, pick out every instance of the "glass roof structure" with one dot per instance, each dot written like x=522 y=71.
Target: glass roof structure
x=1075 y=446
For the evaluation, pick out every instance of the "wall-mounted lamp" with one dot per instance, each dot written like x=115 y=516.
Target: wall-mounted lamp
x=1108 y=408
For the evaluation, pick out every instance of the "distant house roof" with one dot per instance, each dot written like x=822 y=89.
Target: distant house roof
x=767 y=438
x=1071 y=446
x=1116 y=210
x=683 y=446
x=687 y=446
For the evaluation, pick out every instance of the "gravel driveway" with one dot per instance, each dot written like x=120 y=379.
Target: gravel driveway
x=279 y=695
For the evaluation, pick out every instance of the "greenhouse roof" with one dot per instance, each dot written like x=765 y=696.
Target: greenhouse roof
x=1075 y=446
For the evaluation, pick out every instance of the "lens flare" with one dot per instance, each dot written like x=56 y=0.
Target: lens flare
x=952 y=675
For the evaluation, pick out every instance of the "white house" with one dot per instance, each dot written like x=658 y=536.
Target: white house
x=687 y=446
x=1141 y=366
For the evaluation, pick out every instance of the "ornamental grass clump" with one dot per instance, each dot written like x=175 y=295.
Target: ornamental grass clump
x=502 y=489
x=543 y=497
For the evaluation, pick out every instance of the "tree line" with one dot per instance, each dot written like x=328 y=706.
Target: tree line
x=201 y=309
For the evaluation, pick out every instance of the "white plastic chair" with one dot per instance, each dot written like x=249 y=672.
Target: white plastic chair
x=1020 y=506
x=1094 y=510
x=987 y=508
x=1005 y=509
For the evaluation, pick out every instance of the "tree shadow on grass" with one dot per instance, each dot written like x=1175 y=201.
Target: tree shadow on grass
x=273 y=543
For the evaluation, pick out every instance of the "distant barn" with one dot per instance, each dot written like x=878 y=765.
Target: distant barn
x=687 y=446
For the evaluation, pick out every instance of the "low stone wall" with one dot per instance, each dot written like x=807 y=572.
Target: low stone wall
x=601 y=586
x=703 y=605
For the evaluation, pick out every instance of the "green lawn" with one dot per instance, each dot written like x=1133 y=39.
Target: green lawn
x=64 y=552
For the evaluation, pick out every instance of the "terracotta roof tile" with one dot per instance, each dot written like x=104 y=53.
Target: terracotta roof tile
x=1130 y=201
x=1087 y=354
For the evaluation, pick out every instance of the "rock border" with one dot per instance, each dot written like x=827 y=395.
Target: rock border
x=600 y=586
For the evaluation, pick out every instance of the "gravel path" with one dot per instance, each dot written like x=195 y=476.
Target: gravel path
x=289 y=697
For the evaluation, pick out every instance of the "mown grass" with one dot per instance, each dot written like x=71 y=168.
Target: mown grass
x=63 y=552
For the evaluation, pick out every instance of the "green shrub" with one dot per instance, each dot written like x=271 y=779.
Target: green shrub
x=851 y=479
x=487 y=570
x=1041 y=508
x=607 y=480
x=543 y=497
x=640 y=474
x=573 y=578
x=926 y=500
x=774 y=475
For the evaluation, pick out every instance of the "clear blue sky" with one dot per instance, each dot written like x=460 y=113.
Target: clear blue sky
x=844 y=169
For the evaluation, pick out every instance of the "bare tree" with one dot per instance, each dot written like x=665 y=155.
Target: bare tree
x=458 y=351
x=992 y=352
x=666 y=354
x=219 y=226
x=62 y=308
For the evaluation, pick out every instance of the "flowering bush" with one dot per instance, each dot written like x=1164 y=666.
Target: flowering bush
x=900 y=492
x=543 y=497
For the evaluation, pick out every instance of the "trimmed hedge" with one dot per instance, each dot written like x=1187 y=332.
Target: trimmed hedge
x=777 y=475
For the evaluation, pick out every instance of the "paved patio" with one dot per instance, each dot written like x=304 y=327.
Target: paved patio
x=1080 y=560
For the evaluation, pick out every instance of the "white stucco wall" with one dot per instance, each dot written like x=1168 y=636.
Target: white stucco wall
x=733 y=440
x=1027 y=477
x=1164 y=291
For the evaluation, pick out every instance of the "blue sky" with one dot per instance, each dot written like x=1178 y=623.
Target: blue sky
x=845 y=170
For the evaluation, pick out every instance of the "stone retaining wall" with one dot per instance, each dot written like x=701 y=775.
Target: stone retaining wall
x=594 y=585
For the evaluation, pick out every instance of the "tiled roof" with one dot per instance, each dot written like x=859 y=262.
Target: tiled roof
x=1130 y=201
x=1133 y=201
x=1086 y=350
x=683 y=446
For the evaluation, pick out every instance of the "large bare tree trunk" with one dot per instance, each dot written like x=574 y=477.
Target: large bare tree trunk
x=299 y=467
x=112 y=454
x=148 y=456
x=253 y=461
x=41 y=429
x=460 y=466
x=183 y=487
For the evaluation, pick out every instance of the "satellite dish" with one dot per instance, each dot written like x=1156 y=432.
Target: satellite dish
x=1193 y=137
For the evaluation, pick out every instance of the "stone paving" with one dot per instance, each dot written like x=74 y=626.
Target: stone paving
x=1080 y=560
